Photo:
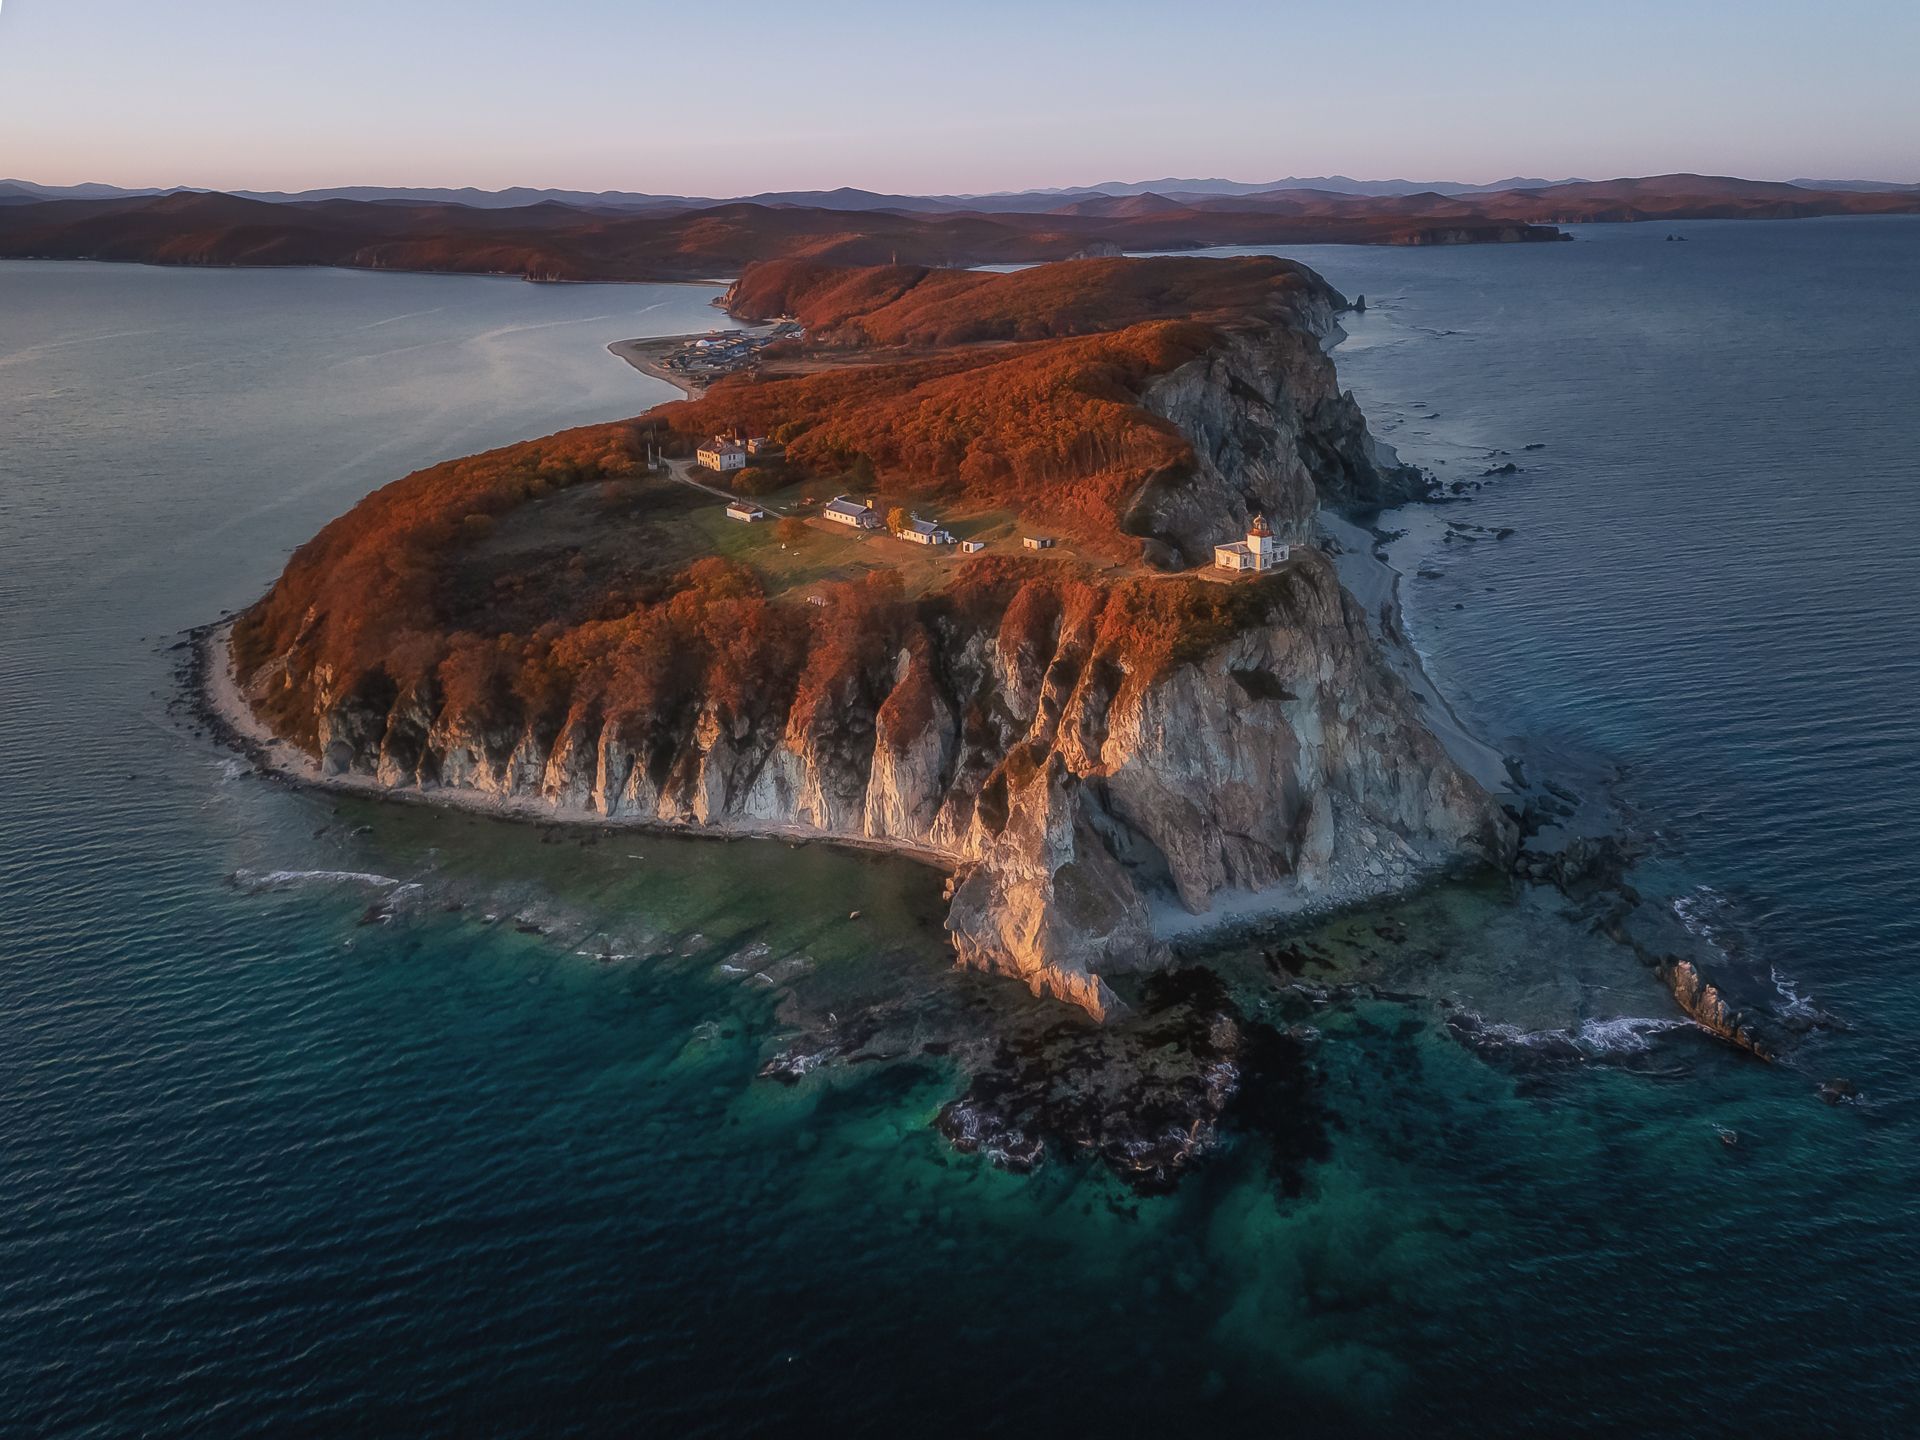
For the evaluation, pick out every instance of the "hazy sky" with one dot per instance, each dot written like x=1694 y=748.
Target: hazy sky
x=746 y=96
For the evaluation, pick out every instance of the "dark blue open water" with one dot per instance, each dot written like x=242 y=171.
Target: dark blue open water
x=267 y=1170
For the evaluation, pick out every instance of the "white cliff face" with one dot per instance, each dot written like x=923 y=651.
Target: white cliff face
x=1069 y=787
x=1233 y=766
x=913 y=743
x=1049 y=904
x=1075 y=792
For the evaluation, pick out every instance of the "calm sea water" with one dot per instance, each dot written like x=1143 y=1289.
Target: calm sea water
x=266 y=1168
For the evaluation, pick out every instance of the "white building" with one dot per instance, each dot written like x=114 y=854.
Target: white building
x=969 y=547
x=844 y=510
x=741 y=510
x=924 y=532
x=1257 y=552
x=722 y=454
x=1037 y=542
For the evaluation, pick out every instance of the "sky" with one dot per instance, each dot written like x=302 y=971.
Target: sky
x=749 y=96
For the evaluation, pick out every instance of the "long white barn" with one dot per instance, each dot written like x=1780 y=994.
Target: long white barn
x=844 y=510
x=924 y=532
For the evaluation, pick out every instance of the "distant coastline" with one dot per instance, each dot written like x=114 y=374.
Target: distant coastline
x=556 y=244
x=552 y=242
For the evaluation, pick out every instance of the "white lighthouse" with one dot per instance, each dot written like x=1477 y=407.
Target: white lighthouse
x=1257 y=552
x=1260 y=542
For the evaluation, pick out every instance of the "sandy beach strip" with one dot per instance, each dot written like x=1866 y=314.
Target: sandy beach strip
x=1376 y=585
x=649 y=357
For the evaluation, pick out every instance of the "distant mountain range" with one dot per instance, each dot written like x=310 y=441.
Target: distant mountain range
x=553 y=241
x=1181 y=192
x=674 y=238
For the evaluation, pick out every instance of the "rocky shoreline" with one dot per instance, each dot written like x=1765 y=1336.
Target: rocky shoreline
x=1187 y=1060
x=1359 y=859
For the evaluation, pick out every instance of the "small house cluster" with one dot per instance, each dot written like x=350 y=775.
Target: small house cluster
x=863 y=515
x=1257 y=552
x=721 y=352
x=729 y=452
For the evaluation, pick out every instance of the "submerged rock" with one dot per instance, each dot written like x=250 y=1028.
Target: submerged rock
x=1148 y=1098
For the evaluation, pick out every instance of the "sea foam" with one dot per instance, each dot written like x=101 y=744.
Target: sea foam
x=253 y=880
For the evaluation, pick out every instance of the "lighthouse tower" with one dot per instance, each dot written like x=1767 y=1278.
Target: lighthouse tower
x=1260 y=545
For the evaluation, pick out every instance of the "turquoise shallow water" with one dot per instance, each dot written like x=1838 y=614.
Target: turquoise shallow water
x=265 y=1168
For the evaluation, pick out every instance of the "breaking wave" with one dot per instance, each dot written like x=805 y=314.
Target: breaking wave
x=1594 y=1038
x=1601 y=1037
x=1704 y=913
x=1707 y=914
x=254 y=880
x=1792 y=1001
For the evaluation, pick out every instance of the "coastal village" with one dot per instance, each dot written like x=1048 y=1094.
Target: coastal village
x=726 y=352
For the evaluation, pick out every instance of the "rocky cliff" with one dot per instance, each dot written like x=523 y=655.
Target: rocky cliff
x=1082 y=753
x=1272 y=434
x=1069 y=789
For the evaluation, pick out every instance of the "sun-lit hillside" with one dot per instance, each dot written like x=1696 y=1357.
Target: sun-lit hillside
x=913 y=305
x=1051 y=428
x=423 y=582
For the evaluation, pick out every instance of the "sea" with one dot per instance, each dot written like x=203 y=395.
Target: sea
x=322 y=1116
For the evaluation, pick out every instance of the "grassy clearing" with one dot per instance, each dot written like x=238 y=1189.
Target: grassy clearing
x=828 y=551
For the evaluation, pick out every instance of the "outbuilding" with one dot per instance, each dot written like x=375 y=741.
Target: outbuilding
x=924 y=532
x=1037 y=542
x=970 y=547
x=741 y=510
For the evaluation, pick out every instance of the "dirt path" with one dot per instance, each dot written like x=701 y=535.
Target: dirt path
x=682 y=471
